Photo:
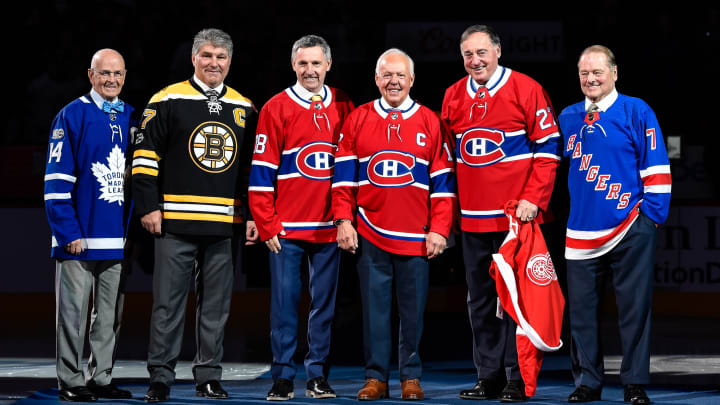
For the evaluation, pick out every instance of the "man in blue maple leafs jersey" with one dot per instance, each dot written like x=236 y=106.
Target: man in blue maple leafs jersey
x=87 y=213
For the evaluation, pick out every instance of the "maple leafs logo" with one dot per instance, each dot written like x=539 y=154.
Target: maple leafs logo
x=111 y=177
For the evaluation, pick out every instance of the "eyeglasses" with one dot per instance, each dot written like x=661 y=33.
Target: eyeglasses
x=105 y=74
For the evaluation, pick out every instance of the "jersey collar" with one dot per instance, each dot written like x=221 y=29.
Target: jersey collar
x=496 y=82
x=98 y=100
x=605 y=103
x=302 y=96
x=205 y=87
x=407 y=108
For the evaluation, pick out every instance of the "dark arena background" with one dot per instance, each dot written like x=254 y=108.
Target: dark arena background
x=666 y=54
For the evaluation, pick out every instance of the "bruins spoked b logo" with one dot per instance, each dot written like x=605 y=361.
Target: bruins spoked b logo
x=213 y=146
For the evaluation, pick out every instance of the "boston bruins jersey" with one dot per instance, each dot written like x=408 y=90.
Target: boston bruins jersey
x=189 y=158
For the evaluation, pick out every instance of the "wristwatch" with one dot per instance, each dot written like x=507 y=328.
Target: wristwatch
x=337 y=222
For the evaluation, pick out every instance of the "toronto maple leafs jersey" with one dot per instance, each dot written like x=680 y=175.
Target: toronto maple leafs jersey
x=84 y=180
x=618 y=163
x=189 y=157
x=393 y=167
x=293 y=161
x=507 y=146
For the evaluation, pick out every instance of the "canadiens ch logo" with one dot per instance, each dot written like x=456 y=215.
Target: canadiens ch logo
x=316 y=160
x=213 y=146
x=481 y=146
x=391 y=169
x=540 y=269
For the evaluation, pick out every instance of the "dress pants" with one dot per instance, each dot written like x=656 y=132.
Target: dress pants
x=376 y=270
x=75 y=282
x=285 y=286
x=175 y=257
x=630 y=265
x=494 y=348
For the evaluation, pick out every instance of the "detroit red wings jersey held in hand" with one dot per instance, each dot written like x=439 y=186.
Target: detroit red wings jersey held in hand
x=293 y=162
x=529 y=291
x=394 y=166
x=507 y=146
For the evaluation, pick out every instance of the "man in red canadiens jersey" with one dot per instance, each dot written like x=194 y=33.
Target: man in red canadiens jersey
x=289 y=195
x=394 y=179
x=507 y=148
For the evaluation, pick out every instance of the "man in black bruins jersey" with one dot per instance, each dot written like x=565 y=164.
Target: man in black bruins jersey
x=186 y=188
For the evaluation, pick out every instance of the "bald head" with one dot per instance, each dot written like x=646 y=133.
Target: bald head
x=107 y=73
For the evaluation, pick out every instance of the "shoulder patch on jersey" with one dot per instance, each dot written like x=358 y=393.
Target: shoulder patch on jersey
x=58 y=133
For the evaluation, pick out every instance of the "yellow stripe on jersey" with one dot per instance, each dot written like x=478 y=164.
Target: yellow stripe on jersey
x=146 y=153
x=201 y=199
x=183 y=88
x=188 y=216
x=144 y=170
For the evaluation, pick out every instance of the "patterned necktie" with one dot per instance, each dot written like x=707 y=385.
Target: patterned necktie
x=593 y=108
x=118 y=106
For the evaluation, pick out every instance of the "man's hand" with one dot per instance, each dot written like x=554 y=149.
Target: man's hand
x=526 y=210
x=274 y=243
x=75 y=247
x=251 y=233
x=347 y=237
x=435 y=244
x=152 y=222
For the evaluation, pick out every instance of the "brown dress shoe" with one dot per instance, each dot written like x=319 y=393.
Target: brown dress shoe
x=411 y=390
x=373 y=390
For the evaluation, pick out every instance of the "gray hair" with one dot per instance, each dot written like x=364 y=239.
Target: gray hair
x=604 y=50
x=473 y=29
x=309 y=41
x=411 y=64
x=215 y=37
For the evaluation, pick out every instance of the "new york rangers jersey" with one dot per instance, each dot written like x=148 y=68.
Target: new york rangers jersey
x=189 y=157
x=84 y=180
x=293 y=162
x=507 y=146
x=618 y=163
x=393 y=166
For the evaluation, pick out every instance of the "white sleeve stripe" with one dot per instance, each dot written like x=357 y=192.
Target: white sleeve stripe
x=658 y=188
x=345 y=184
x=258 y=188
x=266 y=164
x=660 y=169
x=543 y=139
x=546 y=155
x=58 y=196
x=60 y=176
x=438 y=195
x=344 y=158
x=439 y=172
x=145 y=162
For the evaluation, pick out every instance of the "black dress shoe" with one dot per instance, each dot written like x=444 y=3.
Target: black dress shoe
x=318 y=387
x=108 y=391
x=158 y=392
x=211 y=389
x=514 y=391
x=584 y=393
x=282 y=390
x=635 y=394
x=483 y=389
x=76 y=394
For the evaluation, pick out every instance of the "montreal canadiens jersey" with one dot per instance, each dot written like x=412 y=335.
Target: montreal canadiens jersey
x=618 y=163
x=293 y=162
x=84 y=180
x=507 y=146
x=394 y=168
x=189 y=158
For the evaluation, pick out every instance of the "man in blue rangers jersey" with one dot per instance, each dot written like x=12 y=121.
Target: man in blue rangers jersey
x=619 y=182
x=84 y=201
